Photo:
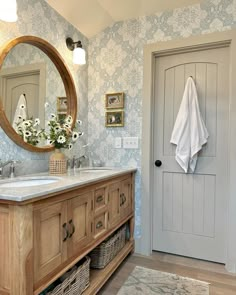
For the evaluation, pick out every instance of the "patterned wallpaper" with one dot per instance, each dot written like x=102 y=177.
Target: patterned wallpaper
x=116 y=64
x=37 y=18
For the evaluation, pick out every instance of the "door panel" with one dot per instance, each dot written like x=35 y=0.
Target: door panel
x=189 y=210
x=49 y=248
x=126 y=192
x=80 y=222
x=114 y=203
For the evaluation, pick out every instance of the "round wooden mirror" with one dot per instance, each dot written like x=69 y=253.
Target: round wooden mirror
x=67 y=96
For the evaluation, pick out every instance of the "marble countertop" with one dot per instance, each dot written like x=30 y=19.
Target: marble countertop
x=74 y=178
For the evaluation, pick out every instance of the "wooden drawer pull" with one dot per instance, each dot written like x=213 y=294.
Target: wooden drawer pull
x=99 y=199
x=72 y=228
x=66 y=232
x=122 y=199
x=99 y=225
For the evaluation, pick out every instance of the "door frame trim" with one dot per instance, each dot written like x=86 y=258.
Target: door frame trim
x=151 y=51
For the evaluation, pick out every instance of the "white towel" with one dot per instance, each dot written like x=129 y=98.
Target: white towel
x=20 y=111
x=189 y=133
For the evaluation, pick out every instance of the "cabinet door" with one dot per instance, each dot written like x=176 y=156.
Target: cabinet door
x=79 y=222
x=114 y=203
x=50 y=235
x=126 y=197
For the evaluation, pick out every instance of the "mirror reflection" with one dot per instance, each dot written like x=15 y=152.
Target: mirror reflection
x=31 y=86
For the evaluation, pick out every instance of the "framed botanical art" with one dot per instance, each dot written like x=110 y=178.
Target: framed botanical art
x=114 y=118
x=114 y=100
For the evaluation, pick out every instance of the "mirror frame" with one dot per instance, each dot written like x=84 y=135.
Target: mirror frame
x=66 y=77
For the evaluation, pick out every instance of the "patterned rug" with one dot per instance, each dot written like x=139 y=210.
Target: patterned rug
x=144 y=281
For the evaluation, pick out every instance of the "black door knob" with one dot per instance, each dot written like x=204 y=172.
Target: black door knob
x=158 y=163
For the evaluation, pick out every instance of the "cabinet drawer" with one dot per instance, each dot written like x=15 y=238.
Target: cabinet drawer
x=100 y=223
x=99 y=198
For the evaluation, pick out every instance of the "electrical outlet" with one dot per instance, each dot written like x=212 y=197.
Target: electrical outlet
x=130 y=142
x=118 y=142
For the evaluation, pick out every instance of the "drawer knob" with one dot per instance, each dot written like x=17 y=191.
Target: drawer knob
x=99 y=225
x=99 y=199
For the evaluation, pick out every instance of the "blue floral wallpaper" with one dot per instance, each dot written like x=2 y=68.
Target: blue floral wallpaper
x=37 y=18
x=116 y=64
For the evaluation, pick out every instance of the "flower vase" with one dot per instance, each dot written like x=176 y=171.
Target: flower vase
x=57 y=163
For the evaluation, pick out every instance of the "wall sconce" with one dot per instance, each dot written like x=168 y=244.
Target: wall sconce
x=78 y=51
x=8 y=10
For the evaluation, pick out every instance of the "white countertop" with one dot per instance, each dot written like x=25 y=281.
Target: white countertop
x=74 y=178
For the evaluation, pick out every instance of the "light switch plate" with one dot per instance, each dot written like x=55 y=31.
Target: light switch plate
x=130 y=142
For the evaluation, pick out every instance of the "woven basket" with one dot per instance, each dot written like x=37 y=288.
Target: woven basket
x=76 y=282
x=108 y=249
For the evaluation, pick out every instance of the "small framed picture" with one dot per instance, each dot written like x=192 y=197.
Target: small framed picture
x=114 y=100
x=61 y=105
x=114 y=119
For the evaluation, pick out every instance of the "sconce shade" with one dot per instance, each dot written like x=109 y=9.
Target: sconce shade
x=8 y=10
x=79 y=54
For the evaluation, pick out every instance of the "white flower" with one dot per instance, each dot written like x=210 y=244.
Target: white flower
x=68 y=120
x=49 y=141
x=75 y=136
x=66 y=126
x=70 y=146
x=80 y=133
x=26 y=123
x=36 y=122
x=57 y=128
x=27 y=133
x=61 y=139
x=79 y=122
x=46 y=104
x=53 y=116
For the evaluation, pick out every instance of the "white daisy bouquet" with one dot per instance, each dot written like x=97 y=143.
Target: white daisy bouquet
x=29 y=130
x=60 y=133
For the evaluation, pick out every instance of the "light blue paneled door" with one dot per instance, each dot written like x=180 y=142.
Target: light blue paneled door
x=190 y=210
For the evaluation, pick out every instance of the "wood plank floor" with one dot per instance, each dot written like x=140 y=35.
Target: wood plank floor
x=221 y=282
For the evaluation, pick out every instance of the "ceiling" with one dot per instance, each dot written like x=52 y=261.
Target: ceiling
x=92 y=16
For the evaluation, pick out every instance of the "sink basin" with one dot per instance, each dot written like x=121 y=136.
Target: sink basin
x=27 y=182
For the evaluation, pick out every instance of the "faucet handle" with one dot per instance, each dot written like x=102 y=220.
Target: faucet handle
x=12 y=168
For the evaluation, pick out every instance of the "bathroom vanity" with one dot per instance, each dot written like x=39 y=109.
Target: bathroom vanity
x=47 y=228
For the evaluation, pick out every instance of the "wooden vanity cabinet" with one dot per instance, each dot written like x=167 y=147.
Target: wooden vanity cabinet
x=44 y=238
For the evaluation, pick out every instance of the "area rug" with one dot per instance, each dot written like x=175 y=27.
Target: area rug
x=144 y=281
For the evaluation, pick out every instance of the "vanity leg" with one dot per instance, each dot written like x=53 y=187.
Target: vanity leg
x=21 y=245
x=131 y=228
